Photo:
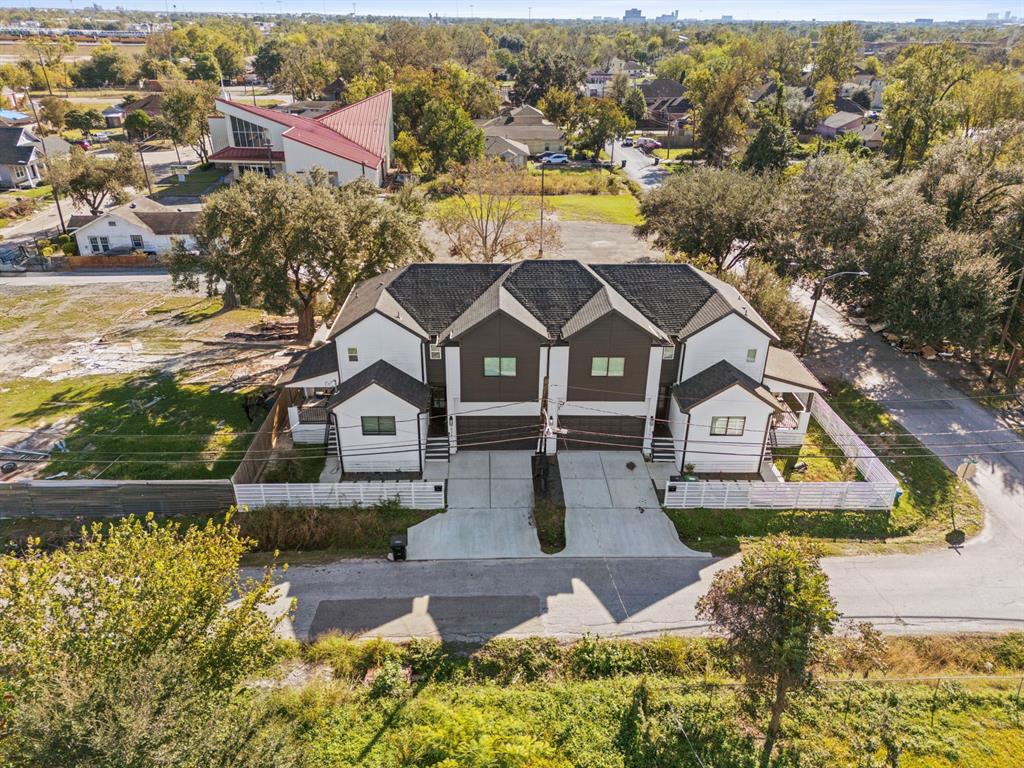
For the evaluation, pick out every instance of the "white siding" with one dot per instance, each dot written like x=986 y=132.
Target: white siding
x=378 y=338
x=727 y=339
x=677 y=426
x=727 y=453
x=120 y=236
x=379 y=453
x=299 y=157
x=453 y=392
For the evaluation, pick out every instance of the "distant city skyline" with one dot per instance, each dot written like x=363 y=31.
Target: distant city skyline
x=794 y=10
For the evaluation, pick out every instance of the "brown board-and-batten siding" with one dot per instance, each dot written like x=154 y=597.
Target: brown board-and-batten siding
x=500 y=336
x=610 y=336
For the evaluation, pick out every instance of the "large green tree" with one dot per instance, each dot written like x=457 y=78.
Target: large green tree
x=184 y=113
x=777 y=615
x=107 y=66
x=84 y=120
x=93 y=181
x=839 y=46
x=133 y=646
x=448 y=135
x=713 y=218
x=285 y=243
x=598 y=121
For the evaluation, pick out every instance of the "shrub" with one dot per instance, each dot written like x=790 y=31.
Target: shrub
x=687 y=656
x=339 y=652
x=64 y=239
x=594 y=658
x=508 y=660
x=434 y=660
x=70 y=249
x=390 y=682
x=1009 y=651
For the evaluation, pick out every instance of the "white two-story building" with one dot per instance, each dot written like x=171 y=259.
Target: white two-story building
x=432 y=359
x=349 y=143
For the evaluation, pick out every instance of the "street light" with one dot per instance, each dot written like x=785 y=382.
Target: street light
x=814 y=305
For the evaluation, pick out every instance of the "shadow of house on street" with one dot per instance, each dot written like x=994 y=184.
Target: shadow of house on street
x=474 y=601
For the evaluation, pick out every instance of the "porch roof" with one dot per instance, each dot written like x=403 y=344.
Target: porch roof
x=718 y=378
x=314 y=363
x=246 y=154
x=785 y=367
x=386 y=376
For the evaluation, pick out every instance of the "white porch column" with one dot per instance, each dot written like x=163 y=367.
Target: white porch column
x=651 y=395
x=558 y=388
x=293 y=417
x=453 y=393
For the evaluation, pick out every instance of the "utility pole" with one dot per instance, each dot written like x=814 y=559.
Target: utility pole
x=145 y=170
x=46 y=158
x=1009 y=320
x=541 y=210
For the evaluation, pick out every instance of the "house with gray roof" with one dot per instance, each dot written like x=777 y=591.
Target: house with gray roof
x=435 y=358
x=23 y=156
x=525 y=125
x=142 y=225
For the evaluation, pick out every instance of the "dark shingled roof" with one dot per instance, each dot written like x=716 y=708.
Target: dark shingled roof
x=313 y=363
x=169 y=222
x=436 y=294
x=662 y=88
x=669 y=295
x=718 y=378
x=385 y=375
x=11 y=153
x=553 y=291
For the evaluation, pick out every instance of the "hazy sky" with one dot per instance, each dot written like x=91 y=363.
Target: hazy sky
x=883 y=10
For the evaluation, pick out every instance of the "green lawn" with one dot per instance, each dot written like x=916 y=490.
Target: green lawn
x=132 y=426
x=612 y=209
x=824 y=459
x=682 y=153
x=11 y=195
x=195 y=184
x=923 y=516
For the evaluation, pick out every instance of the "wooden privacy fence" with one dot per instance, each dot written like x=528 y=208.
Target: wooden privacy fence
x=878 y=491
x=415 y=494
x=266 y=439
x=113 y=498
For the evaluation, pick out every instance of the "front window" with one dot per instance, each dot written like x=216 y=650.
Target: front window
x=99 y=244
x=499 y=366
x=248 y=168
x=607 y=366
x=378 y=425
x=136 y=241
x=728 y=425
x=246 y=134
x=751 y=355
x=353 y=355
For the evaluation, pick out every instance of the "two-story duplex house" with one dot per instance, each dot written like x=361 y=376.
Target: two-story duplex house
x=432 y=359
x=348 y=143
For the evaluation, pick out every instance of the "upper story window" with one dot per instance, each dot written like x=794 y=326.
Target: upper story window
x=246 y=134
x=728 y=425
x=435 y=352
x=751 y=355
x=668 y=353
x=378 y=425
x=499 y=366
x=353 y=355
x=111 y=223
x=607 y=366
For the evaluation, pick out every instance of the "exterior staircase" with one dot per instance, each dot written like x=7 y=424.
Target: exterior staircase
x=662 y=449
x=332 y=440
x=437 y=448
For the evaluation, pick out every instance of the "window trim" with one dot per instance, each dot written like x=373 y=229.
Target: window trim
x=596 y=367
x=352 y=353
x=245 y=133
x=137 y=242
x=435 y=351
x=502 y=367
x=668 y=353
x=728 y=430
x=378 y=430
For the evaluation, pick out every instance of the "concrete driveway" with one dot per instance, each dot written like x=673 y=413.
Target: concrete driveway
x=612 y=509
x=490 y=498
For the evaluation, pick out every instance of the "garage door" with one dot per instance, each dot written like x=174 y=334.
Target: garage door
x=497 y=433
x=610 y=433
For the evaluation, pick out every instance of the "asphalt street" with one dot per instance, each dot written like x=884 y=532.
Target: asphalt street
x=979 y=587
x=640 y=167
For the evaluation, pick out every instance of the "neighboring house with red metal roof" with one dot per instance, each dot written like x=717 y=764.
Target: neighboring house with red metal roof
x=348 y=143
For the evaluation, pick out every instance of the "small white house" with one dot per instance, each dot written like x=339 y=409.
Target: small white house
x=141 y=225
x=23 y=156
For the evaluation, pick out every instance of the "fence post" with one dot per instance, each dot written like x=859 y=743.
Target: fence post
x=413 y=494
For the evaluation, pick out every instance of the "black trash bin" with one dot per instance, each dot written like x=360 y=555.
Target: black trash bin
x=399 y=542
x=623 y=163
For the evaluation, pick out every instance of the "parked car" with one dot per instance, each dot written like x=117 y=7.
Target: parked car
x=85 y=145
x=546 y=154
x=627 y=142
x=648 y=144
x=100 y=137
x=559 y=158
